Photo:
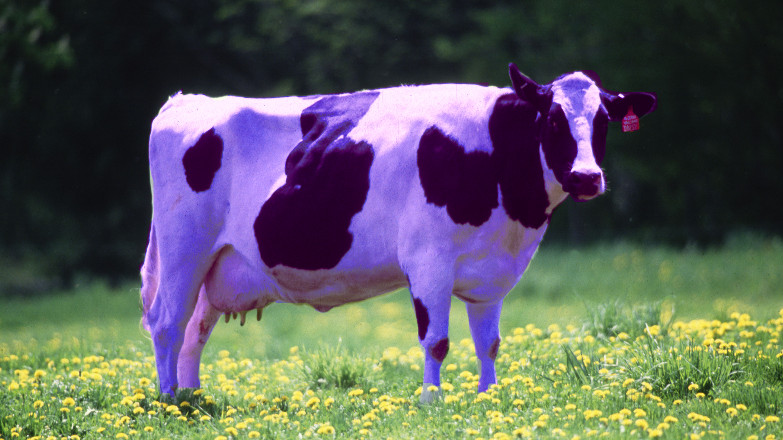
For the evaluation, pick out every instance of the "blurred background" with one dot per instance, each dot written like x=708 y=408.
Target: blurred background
x=81 y=81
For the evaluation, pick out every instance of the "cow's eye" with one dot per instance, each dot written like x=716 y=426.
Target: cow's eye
x=558 y=120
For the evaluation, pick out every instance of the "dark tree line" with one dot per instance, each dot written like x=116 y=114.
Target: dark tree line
x=80 y=82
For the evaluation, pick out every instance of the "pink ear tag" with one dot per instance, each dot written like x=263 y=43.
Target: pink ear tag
x=630 y=121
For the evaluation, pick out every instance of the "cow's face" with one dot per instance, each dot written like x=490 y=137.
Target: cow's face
x=573 y=135
x=574 y=114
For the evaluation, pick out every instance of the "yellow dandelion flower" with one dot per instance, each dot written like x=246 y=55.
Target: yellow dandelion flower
x=325 y=430
x=68 y=401
x=772 y=419
x=38 y=404
x=592 y=413
x=693 y=387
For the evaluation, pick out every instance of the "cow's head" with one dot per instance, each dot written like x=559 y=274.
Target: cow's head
x=573 y=120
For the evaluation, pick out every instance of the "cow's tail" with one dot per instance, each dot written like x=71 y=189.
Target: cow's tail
x=150 y=276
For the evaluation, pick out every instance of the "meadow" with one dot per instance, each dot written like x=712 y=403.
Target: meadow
x=614 y=340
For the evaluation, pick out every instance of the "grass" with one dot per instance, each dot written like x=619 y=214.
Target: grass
x=591 y=346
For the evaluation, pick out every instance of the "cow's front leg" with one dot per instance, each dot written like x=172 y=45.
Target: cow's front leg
x=197 y=333
x=431 y=302
x=484 y=319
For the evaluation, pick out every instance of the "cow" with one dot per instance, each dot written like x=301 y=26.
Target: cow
x=446 y=189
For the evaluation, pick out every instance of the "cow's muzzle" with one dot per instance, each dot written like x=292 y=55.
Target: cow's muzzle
x=584 y=186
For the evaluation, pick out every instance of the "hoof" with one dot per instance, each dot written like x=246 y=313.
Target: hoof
x=428 y=395
x=167 y=399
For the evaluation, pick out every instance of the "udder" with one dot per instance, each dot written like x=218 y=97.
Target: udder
x=234 y=285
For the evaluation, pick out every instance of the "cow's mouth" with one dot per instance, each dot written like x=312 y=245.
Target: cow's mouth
x=583 y=197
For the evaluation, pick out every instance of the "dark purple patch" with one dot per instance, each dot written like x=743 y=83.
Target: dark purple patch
x=600 y=128
x=440 y=350
x=464 y=183
x=493 y=349
x=422 y=318
x=304 y=224
x=514 y=131
x=559 y=144
x=202 y=161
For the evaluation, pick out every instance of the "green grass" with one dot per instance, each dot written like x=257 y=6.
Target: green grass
x=590 y=346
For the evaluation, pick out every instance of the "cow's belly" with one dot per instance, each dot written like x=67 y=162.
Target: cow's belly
x=236 y=283
x=325 y=289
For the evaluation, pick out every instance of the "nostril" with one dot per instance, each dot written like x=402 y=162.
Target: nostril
x=583 y=183
x=585 y=179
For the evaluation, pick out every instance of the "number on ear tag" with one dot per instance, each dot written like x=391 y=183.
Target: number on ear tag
x=630 y=121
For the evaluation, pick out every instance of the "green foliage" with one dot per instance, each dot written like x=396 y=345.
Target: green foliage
x=331 y=367
x=703 y=378
x=611 y=319
x=677 y=368
x=82 y=80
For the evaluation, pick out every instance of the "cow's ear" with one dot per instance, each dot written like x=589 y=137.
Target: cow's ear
x=617 y=105
x=529 y=90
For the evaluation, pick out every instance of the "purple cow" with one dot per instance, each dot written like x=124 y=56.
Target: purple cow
x=324 y=200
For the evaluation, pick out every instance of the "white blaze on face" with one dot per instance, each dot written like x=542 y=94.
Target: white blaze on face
x=580 y=100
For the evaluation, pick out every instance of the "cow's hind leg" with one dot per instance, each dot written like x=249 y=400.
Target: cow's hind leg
x=431 y=296
x=168 y=318
x=197 y=333
x=484 y=319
